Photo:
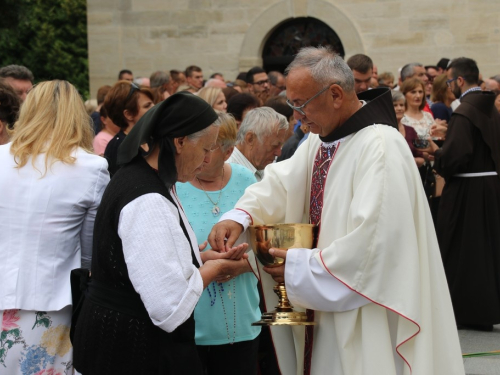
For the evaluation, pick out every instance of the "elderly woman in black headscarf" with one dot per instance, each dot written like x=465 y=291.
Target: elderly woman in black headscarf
x=147 y=271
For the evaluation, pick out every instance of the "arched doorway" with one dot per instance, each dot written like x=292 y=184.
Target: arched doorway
x=289 y=37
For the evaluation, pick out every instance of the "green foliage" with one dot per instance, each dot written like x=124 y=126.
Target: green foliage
x=47 y=36
x=42 y=319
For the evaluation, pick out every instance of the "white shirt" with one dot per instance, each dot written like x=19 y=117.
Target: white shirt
x=46 y=227
x=238 y=158
x=158 y=258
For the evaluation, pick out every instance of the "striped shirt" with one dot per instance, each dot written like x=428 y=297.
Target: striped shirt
x=238 y=158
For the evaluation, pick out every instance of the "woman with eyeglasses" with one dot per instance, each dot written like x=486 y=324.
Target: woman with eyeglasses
x=125 y=104
x=226 y=341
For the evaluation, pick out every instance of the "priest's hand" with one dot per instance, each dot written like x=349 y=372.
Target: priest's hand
x=224 y=234
x=277 y=273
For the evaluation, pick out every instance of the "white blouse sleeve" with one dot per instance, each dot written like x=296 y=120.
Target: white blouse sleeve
x=159 y=262
x=94 y=200
x=309 y=285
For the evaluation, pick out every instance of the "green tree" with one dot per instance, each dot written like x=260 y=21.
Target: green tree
x=47 y=36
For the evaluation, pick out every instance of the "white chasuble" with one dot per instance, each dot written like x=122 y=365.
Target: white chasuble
x=376 y=280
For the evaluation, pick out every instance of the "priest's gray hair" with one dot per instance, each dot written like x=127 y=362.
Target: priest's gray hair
x=195 y=137
x=262 y=121
x=325 y=65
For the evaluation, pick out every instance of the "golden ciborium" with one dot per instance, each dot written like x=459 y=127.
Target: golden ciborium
x=284 y=237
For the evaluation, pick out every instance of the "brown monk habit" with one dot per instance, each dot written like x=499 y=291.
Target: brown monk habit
x=469 y=213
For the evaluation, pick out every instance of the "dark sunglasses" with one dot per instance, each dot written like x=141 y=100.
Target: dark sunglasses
x=133 y=88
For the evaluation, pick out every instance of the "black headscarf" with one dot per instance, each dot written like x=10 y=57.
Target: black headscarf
x=180 y=115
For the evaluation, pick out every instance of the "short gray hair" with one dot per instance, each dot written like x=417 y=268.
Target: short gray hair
x=261 y=121
x=159 y=78
x=195 y=137
x=397 y=96
x=325 y=65
x=407 y=70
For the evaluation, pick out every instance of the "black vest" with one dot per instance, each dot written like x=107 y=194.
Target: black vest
x=110 y=294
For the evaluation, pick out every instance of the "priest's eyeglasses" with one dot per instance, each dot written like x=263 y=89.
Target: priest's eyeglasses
x=300 y=108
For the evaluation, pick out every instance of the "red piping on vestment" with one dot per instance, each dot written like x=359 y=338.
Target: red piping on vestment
x=388 y=308
x=249 y=265
x=251 y=218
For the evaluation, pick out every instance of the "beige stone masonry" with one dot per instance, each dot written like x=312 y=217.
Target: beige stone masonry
x=228 y=36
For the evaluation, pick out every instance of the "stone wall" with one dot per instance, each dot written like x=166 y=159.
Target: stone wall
x=228 y=35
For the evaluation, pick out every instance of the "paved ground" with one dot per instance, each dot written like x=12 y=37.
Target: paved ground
x=473 y=342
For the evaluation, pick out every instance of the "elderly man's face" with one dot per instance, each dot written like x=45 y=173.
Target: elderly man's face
x=420 y=73
x=263 y=153
x=300 y=87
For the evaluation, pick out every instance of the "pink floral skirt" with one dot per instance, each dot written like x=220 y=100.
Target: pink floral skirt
x=35 y=342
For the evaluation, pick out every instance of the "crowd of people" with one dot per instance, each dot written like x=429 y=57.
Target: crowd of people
x=124 y=221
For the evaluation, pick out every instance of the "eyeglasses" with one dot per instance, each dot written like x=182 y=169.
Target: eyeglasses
x=261 y=83
x=133 y=87
x=300 y=108
x=449 y=81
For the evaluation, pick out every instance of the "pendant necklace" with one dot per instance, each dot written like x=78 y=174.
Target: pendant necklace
x=215 y=208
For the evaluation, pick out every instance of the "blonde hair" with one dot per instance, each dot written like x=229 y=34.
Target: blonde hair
x=209 y=94
x=53 y=121
x=227 y=131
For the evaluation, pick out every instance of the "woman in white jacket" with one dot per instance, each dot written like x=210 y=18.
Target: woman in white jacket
x=50 y=187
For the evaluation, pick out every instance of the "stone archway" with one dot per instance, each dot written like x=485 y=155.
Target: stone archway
x=260 y=30
x=290 y=36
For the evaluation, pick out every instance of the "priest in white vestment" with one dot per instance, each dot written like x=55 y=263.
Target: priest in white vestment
x=375 y=281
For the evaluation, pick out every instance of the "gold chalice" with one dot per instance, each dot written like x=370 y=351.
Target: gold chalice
x=284 y=237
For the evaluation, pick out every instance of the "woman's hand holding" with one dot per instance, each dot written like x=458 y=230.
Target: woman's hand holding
x=234 y=253
x=233 y=269
x=224 y=266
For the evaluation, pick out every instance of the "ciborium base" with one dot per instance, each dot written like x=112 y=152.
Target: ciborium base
x=290 y=318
